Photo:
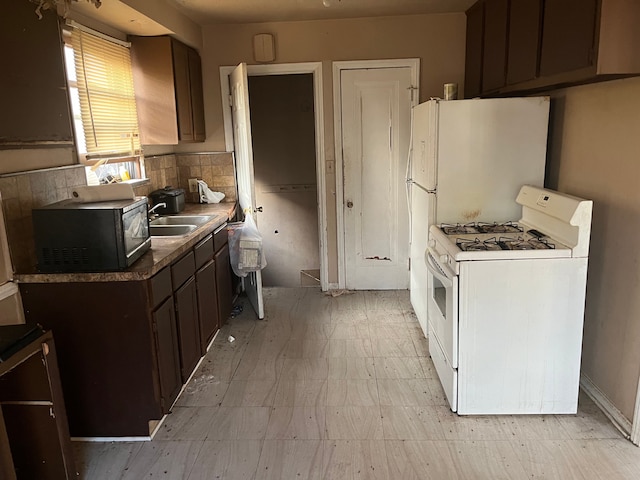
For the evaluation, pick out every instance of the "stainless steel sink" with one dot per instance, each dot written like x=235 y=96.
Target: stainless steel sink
x=182 y=220
x=171 y=230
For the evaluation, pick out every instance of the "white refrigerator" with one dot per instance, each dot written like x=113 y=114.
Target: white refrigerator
x=467 y=163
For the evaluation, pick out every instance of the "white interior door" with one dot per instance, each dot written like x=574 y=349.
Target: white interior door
x=376 y=116
x=244 y=170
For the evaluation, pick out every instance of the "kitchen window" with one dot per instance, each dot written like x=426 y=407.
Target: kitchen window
x=103 y=105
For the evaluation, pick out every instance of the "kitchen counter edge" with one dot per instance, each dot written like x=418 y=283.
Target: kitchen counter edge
x=163 y=251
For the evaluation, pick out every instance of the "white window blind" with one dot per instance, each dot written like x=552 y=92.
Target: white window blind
x=107 y=100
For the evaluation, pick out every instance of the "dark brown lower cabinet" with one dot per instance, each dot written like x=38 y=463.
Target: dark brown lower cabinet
x=166 y=339
x=125 y=348
x=223 y=284
x=188 y=327
x=207 y=303
x=34 y=435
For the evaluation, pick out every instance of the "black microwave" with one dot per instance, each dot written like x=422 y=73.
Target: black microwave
x=90 y=237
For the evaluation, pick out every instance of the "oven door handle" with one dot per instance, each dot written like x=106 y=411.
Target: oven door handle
x=435 y=271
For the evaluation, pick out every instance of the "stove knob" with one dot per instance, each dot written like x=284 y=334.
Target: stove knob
x=444 y=258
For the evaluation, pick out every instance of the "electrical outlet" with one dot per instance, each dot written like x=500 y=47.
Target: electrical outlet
x=193 y=185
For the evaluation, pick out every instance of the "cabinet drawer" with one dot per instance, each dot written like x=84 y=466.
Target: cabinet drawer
x=220 y=237
x=160 y=287
x=182 y=270
x=203 y=251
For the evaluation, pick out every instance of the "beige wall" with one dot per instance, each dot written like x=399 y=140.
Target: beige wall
x=594 y=153
x=438 y=40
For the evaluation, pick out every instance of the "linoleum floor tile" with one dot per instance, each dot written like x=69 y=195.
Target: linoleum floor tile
x=291 y=459
x=393 y=347
x=300 y=393
x=381 y=300
x=239 y=423
x=305 y=369
x=297 y=423
x=421 y=459
x=204 y=390
x=104 y=460
x=352 y=392
x=353 y=347
x=187 y=423
x=250 y=393
x=490 y=460
x=355 y=459
x=169 y=460
x=404 y=392
x=411 y=423
x=351 y=367
x=227 y=459
x=354 y=423
x=399 y=367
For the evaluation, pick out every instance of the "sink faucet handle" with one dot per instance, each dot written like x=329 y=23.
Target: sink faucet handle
x=157 y=205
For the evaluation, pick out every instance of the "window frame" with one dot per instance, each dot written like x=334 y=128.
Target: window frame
x=93 y=161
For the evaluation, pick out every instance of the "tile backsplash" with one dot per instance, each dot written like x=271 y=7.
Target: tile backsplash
x=23 y=191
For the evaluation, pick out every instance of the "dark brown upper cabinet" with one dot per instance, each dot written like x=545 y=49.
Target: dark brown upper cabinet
x=549 y=43
x=568 y=36
x=474 y=44
x=525 y=26
x=167 y=77
x=494 y=65
x=35 y=102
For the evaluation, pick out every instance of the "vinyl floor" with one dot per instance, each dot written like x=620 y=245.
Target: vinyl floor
x=343 y=388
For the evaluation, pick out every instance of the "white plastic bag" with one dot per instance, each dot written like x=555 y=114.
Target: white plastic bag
x=245 y=247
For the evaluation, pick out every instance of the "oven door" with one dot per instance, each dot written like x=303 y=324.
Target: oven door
x=442 y=305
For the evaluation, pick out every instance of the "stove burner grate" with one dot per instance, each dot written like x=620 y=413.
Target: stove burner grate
x=458 y=229
x=506 y=227
x=503 y=243
x=480 y=227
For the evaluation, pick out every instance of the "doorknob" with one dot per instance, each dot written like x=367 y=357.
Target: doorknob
x=349 y=204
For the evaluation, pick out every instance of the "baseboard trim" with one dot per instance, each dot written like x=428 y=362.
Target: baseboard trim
x=608 y=408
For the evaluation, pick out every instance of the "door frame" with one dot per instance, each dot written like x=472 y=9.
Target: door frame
x=314 y=68
x=338 y=67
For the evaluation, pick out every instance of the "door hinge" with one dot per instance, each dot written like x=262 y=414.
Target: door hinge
x=409 y=264
x=231 y=100
x=412 y=89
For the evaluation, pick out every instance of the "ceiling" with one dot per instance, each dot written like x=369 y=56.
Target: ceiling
x=206 y=12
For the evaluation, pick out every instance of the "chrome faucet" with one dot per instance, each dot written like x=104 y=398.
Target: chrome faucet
x=157 y=205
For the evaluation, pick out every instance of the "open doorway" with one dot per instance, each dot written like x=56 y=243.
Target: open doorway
x=291 y=192
x=283 y=134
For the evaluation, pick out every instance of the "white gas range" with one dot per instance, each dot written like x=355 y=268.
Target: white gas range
x=506 y=307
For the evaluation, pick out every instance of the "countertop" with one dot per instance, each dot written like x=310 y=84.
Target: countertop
x=163 y=251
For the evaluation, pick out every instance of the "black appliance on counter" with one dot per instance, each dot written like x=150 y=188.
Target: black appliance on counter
x=90 y=237
x=173 y=198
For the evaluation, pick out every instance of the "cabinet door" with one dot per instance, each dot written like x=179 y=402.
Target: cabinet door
x=223 y=284
x=197 y=97
x=473 y=59
x=166 y=338
x=568 y=35
x=183 y=91
x=494 y=64
x=188 y=327
x=35 y=104
x=207 y=304
x=525 y=24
